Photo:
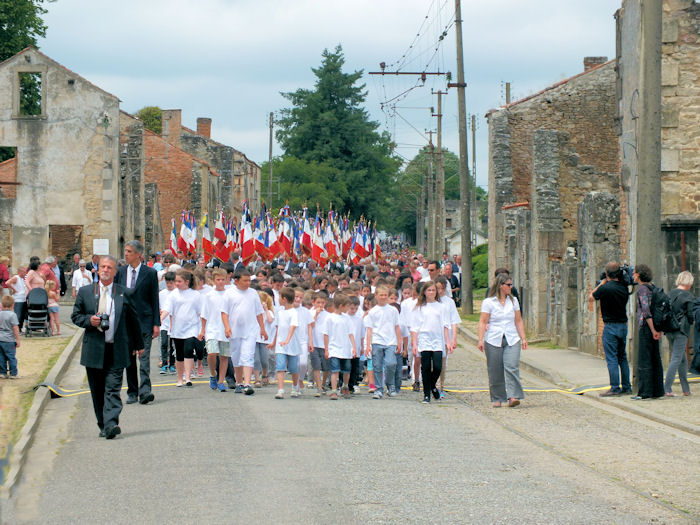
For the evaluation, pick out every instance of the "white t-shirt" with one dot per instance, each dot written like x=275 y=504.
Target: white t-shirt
x=338 y=328
x=211 y=311
x=383 y=321
x=242 y=308
x=184 y=307
x=501 y=321
x=305 y=318
x=163 y=301
x=407 y=306
x=270 y=326
x=80 y=278
x=429 y=321
x=318 y=328
x=452 y=313
x=286 y=319
x=358 y=329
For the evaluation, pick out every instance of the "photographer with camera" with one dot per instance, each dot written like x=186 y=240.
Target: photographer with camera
x=613 y=294
x=111 y=329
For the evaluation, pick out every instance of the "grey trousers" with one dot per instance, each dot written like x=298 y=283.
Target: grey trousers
x=677 y=362
x=502 y=364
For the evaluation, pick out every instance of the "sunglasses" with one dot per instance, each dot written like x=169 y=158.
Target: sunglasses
x=508 y=284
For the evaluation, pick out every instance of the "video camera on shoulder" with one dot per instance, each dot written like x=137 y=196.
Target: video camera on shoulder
x=624 y=275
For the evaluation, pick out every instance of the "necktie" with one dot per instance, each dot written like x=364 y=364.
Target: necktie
x=133 y=277
x=104 y=301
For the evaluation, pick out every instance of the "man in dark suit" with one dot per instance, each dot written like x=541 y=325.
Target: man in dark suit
x=92 y=267
x=142 y=284
x=105 y=353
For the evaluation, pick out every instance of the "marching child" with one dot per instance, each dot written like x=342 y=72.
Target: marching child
x=184 y=306
x=384 y=343
x=9 y=337
x=285 y=342
x=304 y=335
x=357 y=317
x=369 y=303
x=262 y=359
x=454 y=320
x=429 y=337
x=167 y=357
x=242 y=314
x=339 y=343
x=217 y=345
x=317 y=356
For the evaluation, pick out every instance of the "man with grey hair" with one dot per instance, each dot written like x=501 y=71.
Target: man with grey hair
x=142 y=284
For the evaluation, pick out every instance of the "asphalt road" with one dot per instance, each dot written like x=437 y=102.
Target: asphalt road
x=197 y=456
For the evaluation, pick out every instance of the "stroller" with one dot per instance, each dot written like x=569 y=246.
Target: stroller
x=37 y=313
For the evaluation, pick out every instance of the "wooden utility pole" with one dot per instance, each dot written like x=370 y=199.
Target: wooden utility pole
x=439 y=184
x=464 y=193
x=420 y=218
x=430 y=180
x=269 y=165
x=473 y=210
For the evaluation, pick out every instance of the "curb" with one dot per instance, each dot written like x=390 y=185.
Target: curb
x=41 y=398
x=558 y=381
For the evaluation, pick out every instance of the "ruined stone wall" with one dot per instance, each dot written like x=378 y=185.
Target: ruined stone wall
x=67 y=157
x=132 y=222
x=154 y=238
x=500 y=188
x=8 y=173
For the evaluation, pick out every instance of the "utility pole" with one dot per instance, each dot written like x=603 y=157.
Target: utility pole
x=474 y=214
x=269 y=164
x=431 y=200
x=439 y=184
x=464 y=194
x=420 y=220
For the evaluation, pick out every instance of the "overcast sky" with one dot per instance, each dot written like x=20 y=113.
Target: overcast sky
x=230 y=59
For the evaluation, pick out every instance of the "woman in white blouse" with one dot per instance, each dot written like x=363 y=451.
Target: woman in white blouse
x=501 y=335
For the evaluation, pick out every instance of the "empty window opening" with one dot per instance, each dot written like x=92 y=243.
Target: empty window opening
x=30 y=94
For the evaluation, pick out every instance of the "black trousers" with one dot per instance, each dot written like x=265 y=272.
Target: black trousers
x=430 y=367
x=649 y=368
x=134 y=387
x=105 y=389
x=354 y=372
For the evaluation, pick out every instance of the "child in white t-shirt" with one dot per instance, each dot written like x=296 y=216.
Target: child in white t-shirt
x=383 y=343
x=218 y=347
x=262 y=356
x=357 y=318
x=167 y=353
x=285 y=342
x=317 y=353
x=453 y=319
x=339 y=343
x=304 y=334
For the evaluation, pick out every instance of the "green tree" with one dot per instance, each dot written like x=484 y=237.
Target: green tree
x=328 y=125
x=304 y=183
x=152 y=117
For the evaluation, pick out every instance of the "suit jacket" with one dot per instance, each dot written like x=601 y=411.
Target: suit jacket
x=63 y=280
x=144 y=296
x=127 y=333
x=89 y=267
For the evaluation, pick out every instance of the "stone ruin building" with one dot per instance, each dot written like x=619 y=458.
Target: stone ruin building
x=85 y=170
x=601 y=166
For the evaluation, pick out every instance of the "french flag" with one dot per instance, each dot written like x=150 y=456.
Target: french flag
x=207 y=245
x=173 y=236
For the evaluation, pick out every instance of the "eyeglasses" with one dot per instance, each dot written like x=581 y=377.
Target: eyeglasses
x=508 y=284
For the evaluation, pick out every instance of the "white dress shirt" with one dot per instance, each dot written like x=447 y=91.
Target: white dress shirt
x=106 y=292
x=130 y=275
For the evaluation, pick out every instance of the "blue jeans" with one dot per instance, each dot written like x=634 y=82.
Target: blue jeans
x=7 y=355
x=384 y=362
x=614 y=342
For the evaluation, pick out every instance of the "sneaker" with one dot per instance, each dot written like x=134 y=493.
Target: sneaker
x=426 y=399
x=436 y=393
x=356 y=389
x=212 y=383
x=610 y=393
x=200 y=369
x=318 y=392
x=442 y=394
x=238 y=389
x=172 y=369
x=163 y=370
x=346 y=393
x=279 y=394
x=248 y=390
x=295 y=393
x=393 y=393
x=416 y=386
x=377 y=395
x=16 y=376
x=372 y=388
x=222 y=387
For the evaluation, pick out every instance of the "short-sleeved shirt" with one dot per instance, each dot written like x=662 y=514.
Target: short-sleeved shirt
x=286 y=319
x=242 y=308
x=501 y=320
x=211 y=311
x=162 y=301
x=383 y=321
x=305 y=318
x=429 y=322
x=613 y=297
x=185 y=307
x=338 y=328
x=317 y=331
x=8 y=320
x=452 y=313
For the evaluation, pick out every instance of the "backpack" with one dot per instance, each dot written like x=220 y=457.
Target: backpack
x=661 y=313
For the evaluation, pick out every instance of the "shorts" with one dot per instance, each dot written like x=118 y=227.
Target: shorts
x=370 y=368
x=53 y=309
x=222 y=348
x=318 y=360
x=184 y=348
x=243 y=351
x=287 y=363
x=338 y=364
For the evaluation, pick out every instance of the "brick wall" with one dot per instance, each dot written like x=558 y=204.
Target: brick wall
x=8 y=173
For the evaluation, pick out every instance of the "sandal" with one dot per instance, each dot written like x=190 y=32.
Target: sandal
x=265 y=380
x=257 y=384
